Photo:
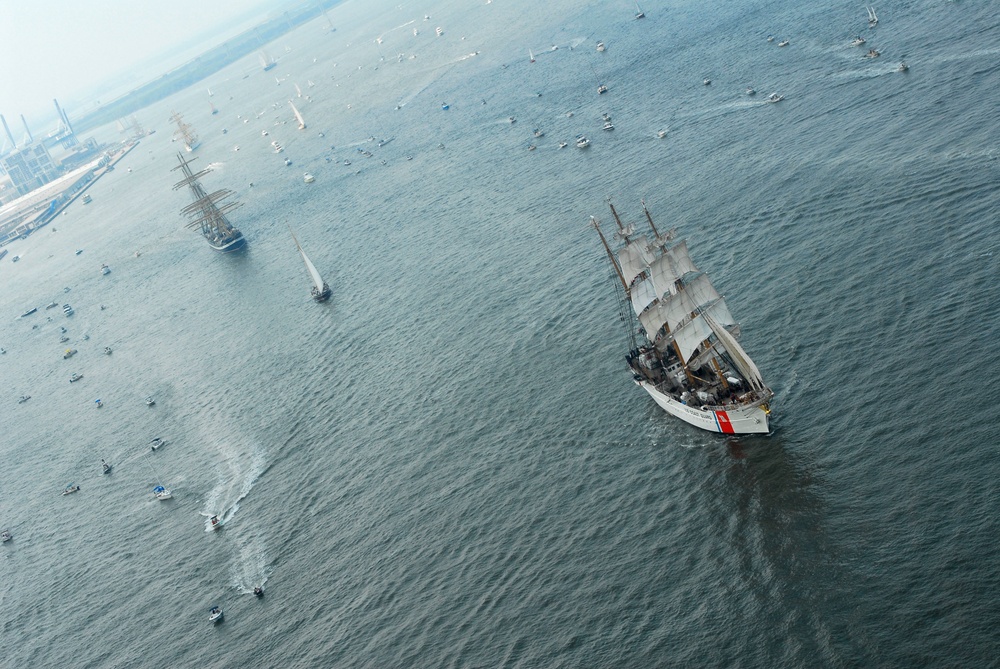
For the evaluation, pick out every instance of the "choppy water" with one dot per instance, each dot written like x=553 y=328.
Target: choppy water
x=447 y=465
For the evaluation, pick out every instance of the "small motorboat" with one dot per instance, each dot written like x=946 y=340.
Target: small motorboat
x=707 y=81
x=51 y=305
x=63 y=339
x=608 y=125
x=107 y=350
x=770 y=38
x=86 y=199
x=23 y=398
x=538 y=133
x=263 y=133
x=75 y=378
x=903 y=67
x=105 y=270
x=308 y=178
x=600 y=46
x=6 y=536
x=783 y=42
x=873 y=53
x=257 y=591
x=71 y=488
x=751 y=90
x=563 y=145
x=29 y=312
x=99 y=403
x=288 y=162
x=582 y=142
x=67 y=310
x=774 y=97
x=105 y=467
x=156 y=443
x=215 y=522
x=858 y=41
x=661 y=133
x=511 y=119
x=161 y=493
x=79 y=251
x=150 y=401
x=215 y=615
x=69 y=353
x=602 y=89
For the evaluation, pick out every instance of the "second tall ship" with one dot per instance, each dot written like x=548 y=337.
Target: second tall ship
x=205 y=212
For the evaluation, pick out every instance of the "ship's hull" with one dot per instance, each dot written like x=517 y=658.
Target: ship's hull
x=748 y=420
x=229 y=245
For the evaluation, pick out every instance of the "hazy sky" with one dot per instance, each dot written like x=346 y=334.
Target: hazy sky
x=63 y=48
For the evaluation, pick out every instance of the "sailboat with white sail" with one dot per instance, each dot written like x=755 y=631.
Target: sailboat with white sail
x=683 y=339
x=298 y=116
x=320 y=289
x=872 y=18
x=266 y=60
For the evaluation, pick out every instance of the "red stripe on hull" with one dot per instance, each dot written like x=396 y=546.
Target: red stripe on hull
x=724 y=425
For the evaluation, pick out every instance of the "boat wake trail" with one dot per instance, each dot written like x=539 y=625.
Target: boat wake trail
x=238 y=473
x=251 y=567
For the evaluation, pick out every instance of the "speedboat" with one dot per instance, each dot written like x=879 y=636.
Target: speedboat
x=99 y=403
x=308 y=178
x=51 y=305
x=29 y=312
x=23 y=399
x=150 y=401
x=79 y=251
x=6 y=536
x=903 y=67
x=770 y=38
x=69 y=353
x=258 y=591
x=71 y=488
x=215 y=615
x=602 y=89
x=751 y=90
x=161 y=493
x=582 y=142
x=75 y=378
x=216 y=523
x=774 y=97
x=608 y=125
x=783 y=42
x=661 y=133
x=858 y=41
x=105 y=269
x=707 y=81
x=156 y=443
x=263 y=133
x=600 y=46
x=105 y=467
x=287 y=162
x=15 y=258
x=563 y=145
x=873 y=53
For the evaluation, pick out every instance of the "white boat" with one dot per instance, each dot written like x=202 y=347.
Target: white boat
x=531 y=56
x=215 y=522
x=75 y=378
x=872 y=53
x=858 y=41
x=67 y=310
x=105 y=270
x=774 y=97
x=600 y=46
x=661 y=133
x=156 y=443
x=582 y=142
x=86 y=199
x=608 y=125
x=783 y=42
x=438 y=31
x=639 y=14
x=770 y=38
x=707 y=81
x=99 y=403
x=751 y=90
x=215 y=615
x=266 y=61
x=107 y=350
x=320 y=290
x=278 y=148
x=686 y=354
x=5 y=536
x=185 y=133
x=150 y=401
x=298 y=116
x=903 y=67
x=161 y=493
x=70 y=489
x=308 y=178
x=602 y=89
x=563 y=145
x=872 y=18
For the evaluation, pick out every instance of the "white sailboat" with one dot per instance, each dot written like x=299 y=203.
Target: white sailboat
x=639 y=14
x=872 y=18
x=683 y=339
x=320 y=290
x=266 y=60
x=298 y=116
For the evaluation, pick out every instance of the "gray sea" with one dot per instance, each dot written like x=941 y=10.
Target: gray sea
x=448 y=465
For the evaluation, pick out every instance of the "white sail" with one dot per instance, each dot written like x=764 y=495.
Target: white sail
x=740 y=358
x=642 y=294
x=317 y=279
x=298 y=116
x=671 y=266
x=634 y=258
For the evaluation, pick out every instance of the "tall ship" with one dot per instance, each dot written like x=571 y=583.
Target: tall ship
x=206 y=213
x=185 y=133
x=683 y=339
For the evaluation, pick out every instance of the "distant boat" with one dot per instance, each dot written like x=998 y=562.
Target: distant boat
x=29 y=312
x=783 y=42
x=858 y=41
x=903 y=67
x=86 y=199
x=308 y=178
x=531 y=56
x=150 y=401
x=69 y=353
x=216 y=523
x=320 y=289
x=438 y=31
x=75 y=378
x=23 y=398
x=751 y=90
x=68 y=310
x=266 y=61
x=105 y=269
x=639 y=14
x=105 y=467
x=5 y=536
x=185 y=133
x=774 y=97
x=156 y=443
x=215 y=614
x=872 y=18
x=600 y=46
x=298 y=116
x=71 y=488
x=582 y=142
x=214 y=110
x=872 y=53
x=161 y=493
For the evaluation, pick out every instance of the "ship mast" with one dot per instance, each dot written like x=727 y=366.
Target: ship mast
x=205 y=211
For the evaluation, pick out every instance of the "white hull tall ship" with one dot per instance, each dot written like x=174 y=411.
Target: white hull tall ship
x=205 y=213
x=185 y=133
x=683 y=339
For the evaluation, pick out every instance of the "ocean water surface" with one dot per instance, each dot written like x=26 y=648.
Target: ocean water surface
x=448 y=464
